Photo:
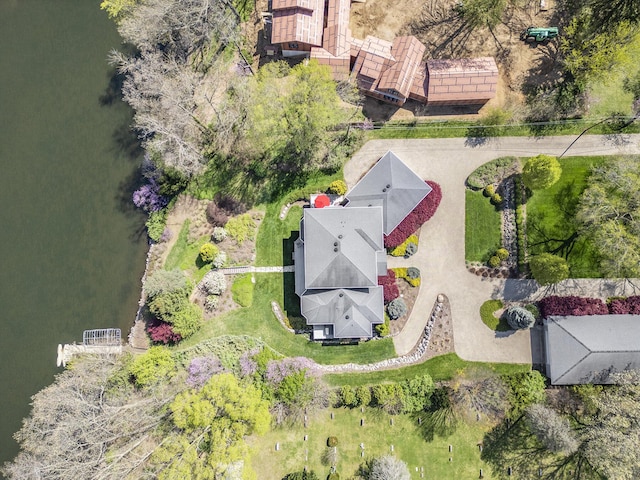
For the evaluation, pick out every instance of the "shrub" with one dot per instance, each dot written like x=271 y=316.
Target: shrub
x=242 y=290
x=541 y=172
x=162 y=332
x=548 y=269
x=496 y=199
x=219 y=260
x=241 y=228
x=156 y=224
x=188 y=320
x=396 y=308
x=419 y=215
x=413 y=272
x=337 y=187
x=332 y=441
x=230 y=205
x=164 y=281
x=401 y=250
x=334 y=476
x=153 y=366
x=571 y=305
x=494 y=261
x=491 y=172
x=211 y=302
x=167 y=304
x=213 y=283
x=412 y=248
x=622 y=306
x=525 y=388
x=531 y=308
x=489 y=190
x=412 y=278
x=519 y=318
x=219 y=234
x=148 y=198
x=216 y=215
x=502 y=254
x=208 y=252
x=363 y=395
x=384 y=329
x=201 y=369
x=389 y=286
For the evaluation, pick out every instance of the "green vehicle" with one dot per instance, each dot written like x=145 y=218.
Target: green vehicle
x=539 y=34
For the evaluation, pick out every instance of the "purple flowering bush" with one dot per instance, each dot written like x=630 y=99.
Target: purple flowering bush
x=248 y=366
x=278 y=370
x=201 y=369
x=148 y=198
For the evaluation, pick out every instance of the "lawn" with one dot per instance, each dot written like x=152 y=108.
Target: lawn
x=186 y=256
x=550 y=219
x=378 y=435
x=607 y=96
x=443 y=367
x=483 y=234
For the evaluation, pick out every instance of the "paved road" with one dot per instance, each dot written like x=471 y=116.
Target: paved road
x=441 y=251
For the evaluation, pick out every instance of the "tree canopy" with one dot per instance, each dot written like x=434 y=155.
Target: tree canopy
x=548 y=269
x=541 y=172
x=210 y=425
x=609 y=212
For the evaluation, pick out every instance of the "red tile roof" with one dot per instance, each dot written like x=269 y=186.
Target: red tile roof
x=469 y=79
x=296 y=23
x=408 y=52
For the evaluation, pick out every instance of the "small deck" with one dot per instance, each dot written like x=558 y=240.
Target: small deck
x=102 y=341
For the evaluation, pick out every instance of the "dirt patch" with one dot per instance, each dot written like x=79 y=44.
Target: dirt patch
x=437 y=24
x=240 y=254
x=441 y=339
x=409 y=295
x=225 y=302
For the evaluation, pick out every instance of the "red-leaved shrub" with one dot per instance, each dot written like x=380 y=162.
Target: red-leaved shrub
x=162 y=332
x=563 y=306
x=625 y=306
x=389 y=286
x=419 y=215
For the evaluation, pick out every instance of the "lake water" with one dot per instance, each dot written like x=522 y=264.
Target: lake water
x=72 y=247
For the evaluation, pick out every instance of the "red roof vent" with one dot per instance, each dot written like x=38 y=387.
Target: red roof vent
x=321 y=201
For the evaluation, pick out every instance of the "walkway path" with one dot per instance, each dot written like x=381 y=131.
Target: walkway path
x=441 y=254
x=252 y=269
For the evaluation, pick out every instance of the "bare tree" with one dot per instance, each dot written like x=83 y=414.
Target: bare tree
x=82 y=426
x=551 y=429
x=389 y=468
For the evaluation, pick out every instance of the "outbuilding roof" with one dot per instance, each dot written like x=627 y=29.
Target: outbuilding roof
x=587 y=349
x=394 y=186
x=463 y=79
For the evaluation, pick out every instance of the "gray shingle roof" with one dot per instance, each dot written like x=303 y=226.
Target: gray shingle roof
x=341 y=247
x=586 y=349
x=393 y=185
x=350 y=311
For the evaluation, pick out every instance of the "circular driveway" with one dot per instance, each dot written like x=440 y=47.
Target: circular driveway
x=441 y=254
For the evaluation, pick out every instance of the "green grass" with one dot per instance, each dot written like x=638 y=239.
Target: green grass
x=550 y=219
x=260 y=322
x=242 y=290
x=443 y=367
x=377 y=435
x=453 y=129
x=482 y=227
x=186 y=256
x=607 y=95
x=487 y=310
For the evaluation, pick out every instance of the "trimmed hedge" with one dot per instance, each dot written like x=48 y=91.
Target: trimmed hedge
x=487 y=310
x=410 y=274
x=624 y=306
x=576 y=306
x=401 y=250
x=491 y=172
x=389 y=286
x=419 y=215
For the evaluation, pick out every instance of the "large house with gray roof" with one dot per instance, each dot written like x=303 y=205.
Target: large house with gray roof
x=340 y=252
x=588 y=349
